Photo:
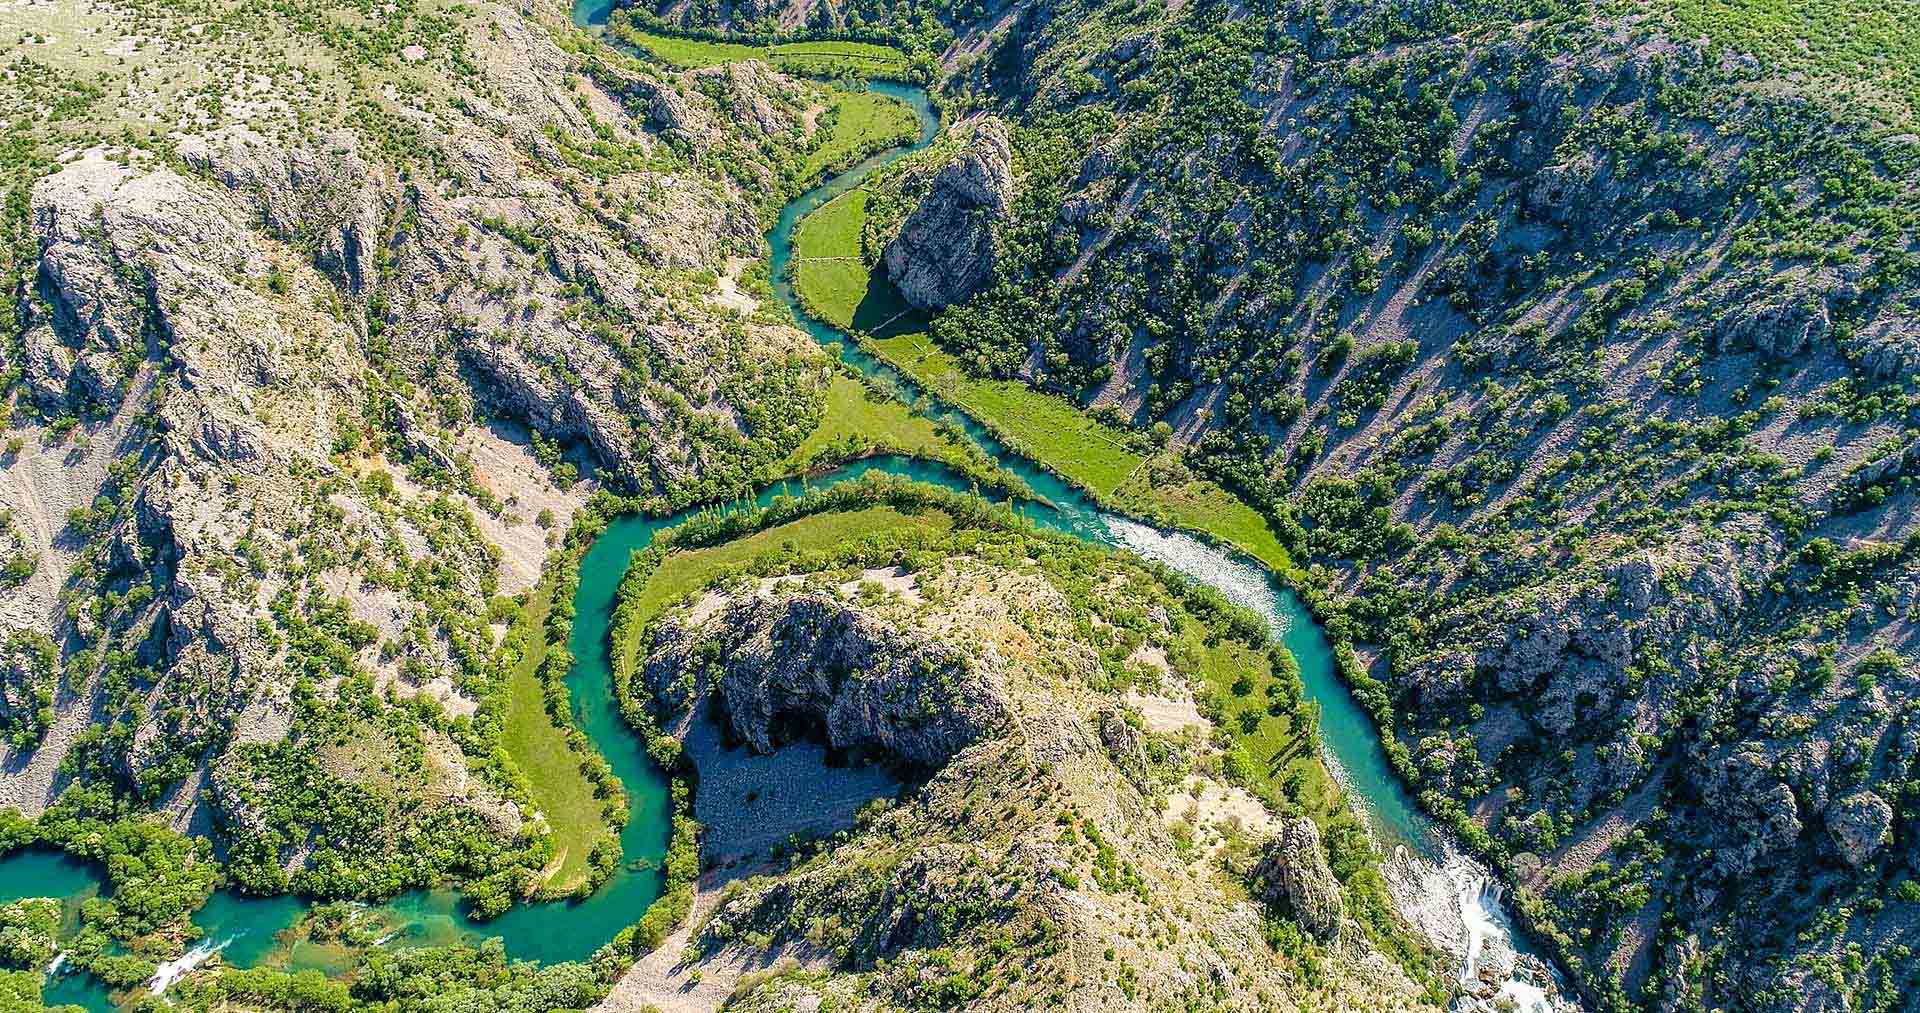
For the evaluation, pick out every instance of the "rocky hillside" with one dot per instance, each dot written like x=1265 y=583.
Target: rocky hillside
x=309 y=359
x=1572 y=347
x=1058 y=826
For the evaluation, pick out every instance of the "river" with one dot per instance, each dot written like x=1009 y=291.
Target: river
x=1440 y=889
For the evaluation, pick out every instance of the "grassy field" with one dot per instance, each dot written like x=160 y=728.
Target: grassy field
x=1285 y=760
x=856 y=417
x=693 y=568
x=691 y=53
x=811 y=58
x=829 y=58
x=539 y=747
x=863 y=122
x=828 y=272
x=836 y=286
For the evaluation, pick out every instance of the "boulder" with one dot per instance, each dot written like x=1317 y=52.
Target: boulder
x=1293 y=866
x=1857 y=825
x=944 y=251
x=1782 y=329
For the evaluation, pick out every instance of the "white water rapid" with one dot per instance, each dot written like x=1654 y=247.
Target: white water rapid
x=1450 y=898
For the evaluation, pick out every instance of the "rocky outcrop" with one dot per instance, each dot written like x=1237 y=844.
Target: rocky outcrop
x=1783 y=328
x=1858 y=825
x=1293 y=871
x=1039 y=825
x=944 y=250
x=805 y=665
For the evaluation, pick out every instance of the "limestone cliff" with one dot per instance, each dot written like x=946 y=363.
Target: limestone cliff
x=944 y=250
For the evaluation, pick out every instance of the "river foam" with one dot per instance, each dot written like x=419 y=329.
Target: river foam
x=173 y=970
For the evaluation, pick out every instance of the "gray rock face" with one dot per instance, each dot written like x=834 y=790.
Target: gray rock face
x=945 y=250
x=1857 y=824
x=1781 y=329
x=812 y=664
x=1887 y=348
x=1294 y=866
x=1760 y=810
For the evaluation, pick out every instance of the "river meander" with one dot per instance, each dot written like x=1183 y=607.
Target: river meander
x=249 y=931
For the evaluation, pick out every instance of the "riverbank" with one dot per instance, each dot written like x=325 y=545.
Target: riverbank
x=832 y=284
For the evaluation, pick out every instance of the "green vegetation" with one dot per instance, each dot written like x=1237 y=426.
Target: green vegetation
x=677 y=572
x=856 y=125
x=413 y=979
x=863 y=60
x=835 y=285
x=861 y=419
x=1868 y=50
x=830 y=279
x=539 y=746
x=1257 y=699
x=154 y=877
x=687 y=52
x=1047 y=428
x=826 y=58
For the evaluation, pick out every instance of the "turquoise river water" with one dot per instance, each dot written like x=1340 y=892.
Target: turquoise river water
x=247 y=931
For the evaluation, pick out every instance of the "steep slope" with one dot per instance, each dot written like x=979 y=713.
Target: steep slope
x=304 y=356
x=1572 y=346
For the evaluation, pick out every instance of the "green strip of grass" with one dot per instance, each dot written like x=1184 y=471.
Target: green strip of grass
x=858 y=421
x=823 y=58
x=836 y=286
x=692 y=53
x=682 y=571
x=539 y=748
x=863 y=122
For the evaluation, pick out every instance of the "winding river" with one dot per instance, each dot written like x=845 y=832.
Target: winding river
x=248 y=931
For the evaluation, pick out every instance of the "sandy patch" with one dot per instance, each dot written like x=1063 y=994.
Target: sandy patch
x=1167 y=715
x=1151 y=656
x=1215 y=809
x=707 y=607
x=727 y=292
x=891 y=579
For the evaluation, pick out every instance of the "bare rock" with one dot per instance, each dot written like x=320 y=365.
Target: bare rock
x=812 y=664
x=1293 y=866
x=1782 y=328
x=945 y=250
x=1857 y=825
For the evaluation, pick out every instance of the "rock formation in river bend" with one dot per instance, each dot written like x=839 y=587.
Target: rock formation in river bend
x=1055 y=840
x=944 y=250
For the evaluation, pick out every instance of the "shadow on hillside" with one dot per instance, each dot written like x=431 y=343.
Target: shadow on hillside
x=883 y=312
